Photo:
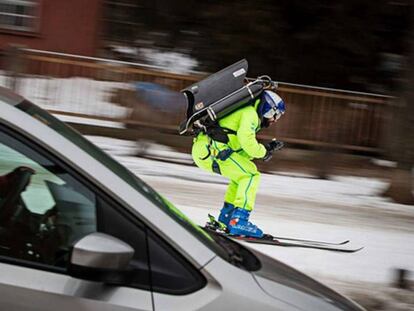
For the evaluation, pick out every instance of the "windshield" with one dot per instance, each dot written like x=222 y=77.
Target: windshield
x=125 y=174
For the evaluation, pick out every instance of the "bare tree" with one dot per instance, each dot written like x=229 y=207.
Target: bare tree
x=401 y=186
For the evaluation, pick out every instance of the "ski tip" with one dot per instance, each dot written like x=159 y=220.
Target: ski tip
x=351 y=250
x=358 y=249
x=345 y=242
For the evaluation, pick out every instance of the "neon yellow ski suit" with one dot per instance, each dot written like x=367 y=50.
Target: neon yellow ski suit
x=237 y=165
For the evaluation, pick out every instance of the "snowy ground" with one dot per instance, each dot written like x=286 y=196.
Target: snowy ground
x=298 y=206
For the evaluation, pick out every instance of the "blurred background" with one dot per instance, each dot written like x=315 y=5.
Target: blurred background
x=344 y=68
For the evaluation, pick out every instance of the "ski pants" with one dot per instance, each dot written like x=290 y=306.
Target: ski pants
x=239 y=169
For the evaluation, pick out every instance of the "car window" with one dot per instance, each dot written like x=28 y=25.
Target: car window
x=155 y=264
x=43 y=208
x=120 y=224
x=36 y=197
x=170 y=272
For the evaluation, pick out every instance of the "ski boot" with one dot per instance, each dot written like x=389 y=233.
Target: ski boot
x=240 y=225
x=222 y=222
x=225 y=213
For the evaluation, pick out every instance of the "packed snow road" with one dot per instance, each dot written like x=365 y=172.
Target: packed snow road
x=297 y=206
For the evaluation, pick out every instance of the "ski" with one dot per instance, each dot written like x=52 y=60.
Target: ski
x=213 y=223
x=280 y=238
x=268 y=239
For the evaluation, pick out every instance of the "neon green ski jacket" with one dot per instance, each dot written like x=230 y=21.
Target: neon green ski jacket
x=246 y=123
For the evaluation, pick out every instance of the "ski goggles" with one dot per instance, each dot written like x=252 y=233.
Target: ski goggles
x=273 y=113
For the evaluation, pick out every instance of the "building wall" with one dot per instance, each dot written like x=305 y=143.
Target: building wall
x=64 y=26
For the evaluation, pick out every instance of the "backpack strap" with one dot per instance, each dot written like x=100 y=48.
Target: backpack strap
x=218 y=133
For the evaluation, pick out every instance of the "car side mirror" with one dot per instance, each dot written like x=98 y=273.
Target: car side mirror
x=101 y=257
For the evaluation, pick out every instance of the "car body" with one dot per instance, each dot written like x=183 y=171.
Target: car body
x=80 y=231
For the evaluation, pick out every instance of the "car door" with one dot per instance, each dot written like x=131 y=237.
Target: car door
x=45 y=207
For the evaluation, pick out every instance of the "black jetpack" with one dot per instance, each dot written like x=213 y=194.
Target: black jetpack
x=219 y=95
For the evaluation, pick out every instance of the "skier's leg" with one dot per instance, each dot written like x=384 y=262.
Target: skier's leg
x=231 y=192
x=204 y=159
x=228 y=206
x=243 y=173
x=246 y=191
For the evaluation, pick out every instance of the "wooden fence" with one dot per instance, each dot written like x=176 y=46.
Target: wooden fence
x=315 y=117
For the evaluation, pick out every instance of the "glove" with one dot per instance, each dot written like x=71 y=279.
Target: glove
x=272 y=146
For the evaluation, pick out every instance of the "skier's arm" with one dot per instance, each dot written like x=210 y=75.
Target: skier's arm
x=246 y=135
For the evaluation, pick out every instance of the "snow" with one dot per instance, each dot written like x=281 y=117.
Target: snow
x=77 y=95
x=90 y=121
x=159 y=59
x=165 y=60
x=295 y=206
x=171 y=61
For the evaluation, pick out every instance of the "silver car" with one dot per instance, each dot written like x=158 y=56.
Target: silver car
x=78 y=231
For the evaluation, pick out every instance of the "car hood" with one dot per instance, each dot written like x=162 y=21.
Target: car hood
x=293 y=287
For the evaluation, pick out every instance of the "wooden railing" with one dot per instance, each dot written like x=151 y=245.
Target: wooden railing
x=316 y=117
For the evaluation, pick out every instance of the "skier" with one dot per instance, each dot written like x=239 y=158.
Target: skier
x=234 y=158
